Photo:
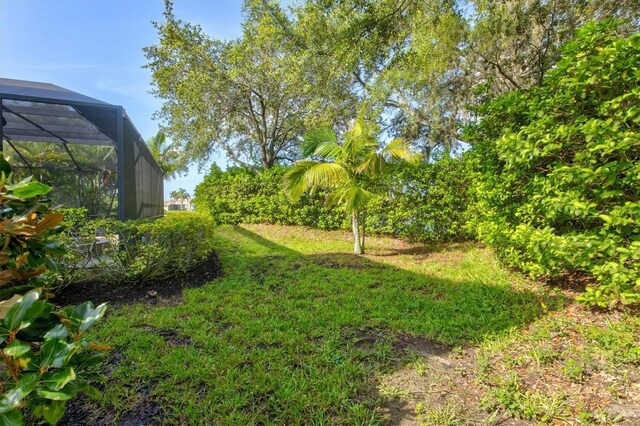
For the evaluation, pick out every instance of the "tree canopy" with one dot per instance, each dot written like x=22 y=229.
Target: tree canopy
x=242 y=97
x=418 y=68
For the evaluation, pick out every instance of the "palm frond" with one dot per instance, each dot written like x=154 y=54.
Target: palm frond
x=359 y=141
x=351 y=197
x=330 y=150
x=401 y=149
x=315 y=137
x=372 y=165
x=307 y=174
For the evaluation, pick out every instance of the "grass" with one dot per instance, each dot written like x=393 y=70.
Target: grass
x=300 y=332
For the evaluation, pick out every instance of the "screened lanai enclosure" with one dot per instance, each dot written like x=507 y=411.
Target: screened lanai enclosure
x=89 y=151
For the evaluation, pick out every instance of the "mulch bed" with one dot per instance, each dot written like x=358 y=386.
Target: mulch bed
x=148 y=292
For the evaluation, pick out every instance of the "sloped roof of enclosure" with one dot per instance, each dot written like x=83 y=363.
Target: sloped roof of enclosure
x=43 y=112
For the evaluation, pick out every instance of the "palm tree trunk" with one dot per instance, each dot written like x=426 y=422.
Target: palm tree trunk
x=364 y=223
x=355 y=223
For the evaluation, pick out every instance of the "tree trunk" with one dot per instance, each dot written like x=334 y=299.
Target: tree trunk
x=357 y=248
x=364 y=223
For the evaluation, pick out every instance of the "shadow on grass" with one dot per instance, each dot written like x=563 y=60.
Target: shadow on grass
x=377 y=314
x=449 y=311
x=426 y=250
x=291 y=338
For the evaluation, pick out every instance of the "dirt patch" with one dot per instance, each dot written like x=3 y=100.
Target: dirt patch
x=145 y=412
x=574 y=282
x=430 y=382
x=83 y=411
x=437 y=383
x=151 y=292
x=401 y=343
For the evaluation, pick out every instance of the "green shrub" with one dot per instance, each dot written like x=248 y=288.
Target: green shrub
x=558 y=170
x=74 y=217
x=427 y=202
x=244 y=196
x=46 y=360
x=424 y=203
x=166 y=246
x=135 y=251
x=27 y=225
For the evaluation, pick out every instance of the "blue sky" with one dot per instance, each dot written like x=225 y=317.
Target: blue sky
x=94 y=47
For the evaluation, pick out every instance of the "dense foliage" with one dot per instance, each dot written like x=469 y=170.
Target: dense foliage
x=239 y=195
x=409 y=65
x=426 y=202
x=132 y=251
x=26 y=226
x=46 y=358
x=558 y=182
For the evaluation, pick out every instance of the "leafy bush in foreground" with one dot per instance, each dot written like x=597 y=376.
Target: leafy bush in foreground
x=558 y=168
x=26 y=227
x=46 y=360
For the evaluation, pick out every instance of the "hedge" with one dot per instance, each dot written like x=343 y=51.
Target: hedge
x=423 y=203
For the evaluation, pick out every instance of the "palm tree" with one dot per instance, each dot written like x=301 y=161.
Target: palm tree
x=164 y=153
x=348 y=170
x=181 y=194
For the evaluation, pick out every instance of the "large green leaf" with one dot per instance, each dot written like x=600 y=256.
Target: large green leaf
x=22 y=352
x=17 y=348
x=53 y=411
x=24 y=311
x=12 y=398
x=55 y=350
x=7 y=294
x=316 y=137
x=55 y=395
x=12 y=418
x=355 y=198
x=306 y=174
x=56 y=381
x=31 y=189
x=84 y=315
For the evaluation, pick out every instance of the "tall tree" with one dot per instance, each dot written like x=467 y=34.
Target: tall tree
x=241 y=97
x=348 y=170
x=420 y=66
x=514 y=43
x=400 y=57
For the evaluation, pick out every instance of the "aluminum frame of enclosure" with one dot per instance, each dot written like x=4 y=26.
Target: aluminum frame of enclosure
x=45 y=113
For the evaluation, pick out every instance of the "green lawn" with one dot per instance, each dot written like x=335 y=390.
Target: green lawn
x=298 y=331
